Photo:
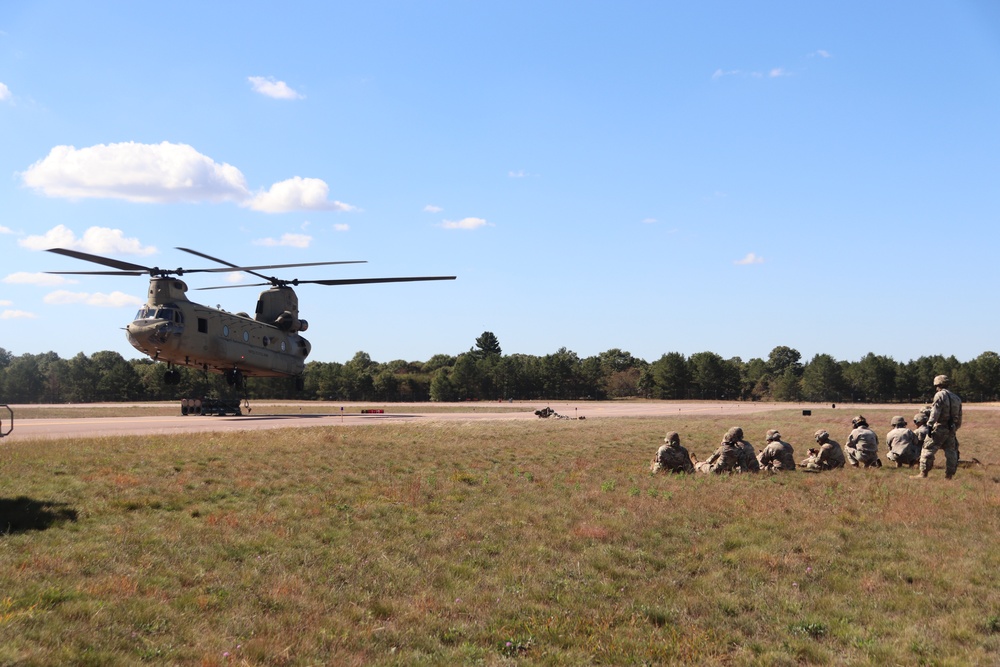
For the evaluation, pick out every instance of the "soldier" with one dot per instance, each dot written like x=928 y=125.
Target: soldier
x=671 y=456
x=830 y=455
x=862 y=445
x=922 y=430
x=725 y=457
x=902 y=444
x=777 y=454
x=746 y=460
x=944 y=421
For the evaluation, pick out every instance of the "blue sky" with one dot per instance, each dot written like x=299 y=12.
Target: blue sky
x=650 y=176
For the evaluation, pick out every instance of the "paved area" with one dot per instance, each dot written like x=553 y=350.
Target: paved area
x=336 y=414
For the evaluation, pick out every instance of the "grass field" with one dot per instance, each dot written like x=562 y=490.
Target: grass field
x=493 y=543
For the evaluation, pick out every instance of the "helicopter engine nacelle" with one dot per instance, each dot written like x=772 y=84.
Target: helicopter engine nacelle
x=303 y=325
x=288 y=322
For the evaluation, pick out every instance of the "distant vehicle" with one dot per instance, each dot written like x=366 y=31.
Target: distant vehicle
x=179 y=332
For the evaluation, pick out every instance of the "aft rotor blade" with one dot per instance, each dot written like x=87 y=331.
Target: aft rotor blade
x=98 y=273
x=366 y=281
x=106 y=261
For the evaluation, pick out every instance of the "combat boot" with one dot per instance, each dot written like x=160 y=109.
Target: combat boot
x=920 y=475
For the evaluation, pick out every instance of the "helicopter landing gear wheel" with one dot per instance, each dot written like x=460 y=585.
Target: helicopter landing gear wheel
x=235 y=377
x=172 y=377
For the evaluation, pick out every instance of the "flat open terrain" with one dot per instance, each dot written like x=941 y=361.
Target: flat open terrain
x=492 y=541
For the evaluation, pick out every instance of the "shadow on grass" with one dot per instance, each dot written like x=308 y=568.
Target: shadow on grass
x=19 y=515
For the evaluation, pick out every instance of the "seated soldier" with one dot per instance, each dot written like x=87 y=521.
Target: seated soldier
x=902 y=444
x=862 y=445
x=746 y=459
x=671 y=456
x=725 y=457
x=777 y=454
x=828 y=456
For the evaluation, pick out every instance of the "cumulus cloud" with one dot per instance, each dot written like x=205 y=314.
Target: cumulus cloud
x=341 y=227
x=778 y=71
x=5 y=302
x=751 y=258
x=97 y=240
x=270 y=87
x=4 y=92
x=17 y=315
x=465 y=223
x=297 y=194
x=287 y=240
x=42 y=279
x=99 y=299
x=6 y=230
x=166 y=173
x=431 y=208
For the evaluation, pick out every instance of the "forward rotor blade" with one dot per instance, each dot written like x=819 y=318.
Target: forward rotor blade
x=98 y=273
x=202 y=289
x=113 y=263
x=252 y=270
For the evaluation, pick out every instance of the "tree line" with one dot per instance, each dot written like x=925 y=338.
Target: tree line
x=484 y=373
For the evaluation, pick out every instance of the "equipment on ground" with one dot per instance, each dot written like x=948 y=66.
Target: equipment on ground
x=5 y=430
x=180 y=332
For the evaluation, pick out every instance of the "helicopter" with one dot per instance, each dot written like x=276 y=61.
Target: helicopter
x=171 y=328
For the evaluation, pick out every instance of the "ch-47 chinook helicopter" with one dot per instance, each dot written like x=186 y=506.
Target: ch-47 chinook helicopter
x=173 y=329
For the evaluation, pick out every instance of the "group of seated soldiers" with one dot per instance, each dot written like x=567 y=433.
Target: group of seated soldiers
x=737 y=455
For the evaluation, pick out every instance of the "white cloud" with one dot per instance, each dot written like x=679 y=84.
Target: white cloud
x=751 y=258
x=42 y=279
x=297 y=194
x=520 y=173
x=98 y=240
x=6 y=230
x=5 y=302
x=465 y=223
x=719 y=73
x=648 y=221
x=821 y=53
x=431 y=208
x=288 y=240
x=270 y=87
x=341 y=227
x=113 y=300
x=778 y=71
x=17 y=315
x=4 y=92
x=151 y=173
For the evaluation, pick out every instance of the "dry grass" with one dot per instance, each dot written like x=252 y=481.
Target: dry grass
x=541 y=542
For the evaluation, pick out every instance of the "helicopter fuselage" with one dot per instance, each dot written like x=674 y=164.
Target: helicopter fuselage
x=173 y=329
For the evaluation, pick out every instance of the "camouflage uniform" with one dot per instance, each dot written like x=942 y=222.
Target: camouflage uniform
x=777 y=454
x=944 y=421
x=672 y=456
x=725 y=458
x=923 y=430
x=746 y=459
x=862 y=445
x=830 y=455
x=902 y=444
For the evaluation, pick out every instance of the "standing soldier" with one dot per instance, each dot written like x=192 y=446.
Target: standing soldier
x=830 y=455
x=902 y=444
x=725 y=457
x=671 y=456
x=777 y=454
x=862 y=445
x=944 y=421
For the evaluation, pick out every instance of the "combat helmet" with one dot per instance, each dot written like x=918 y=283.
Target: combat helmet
x=733 y=435
x=773 y=435
x=822 y=435
x=860 y=421
x=673 y=436
x=942 y=381
x=897 y=421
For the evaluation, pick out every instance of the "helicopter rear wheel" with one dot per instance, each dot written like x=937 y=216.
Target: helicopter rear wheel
x=172 y=376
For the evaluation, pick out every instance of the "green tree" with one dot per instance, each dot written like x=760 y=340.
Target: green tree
x=487 y=345
x=709 y=376
x=442 y=389
x=822 y=379
x=671 y=376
